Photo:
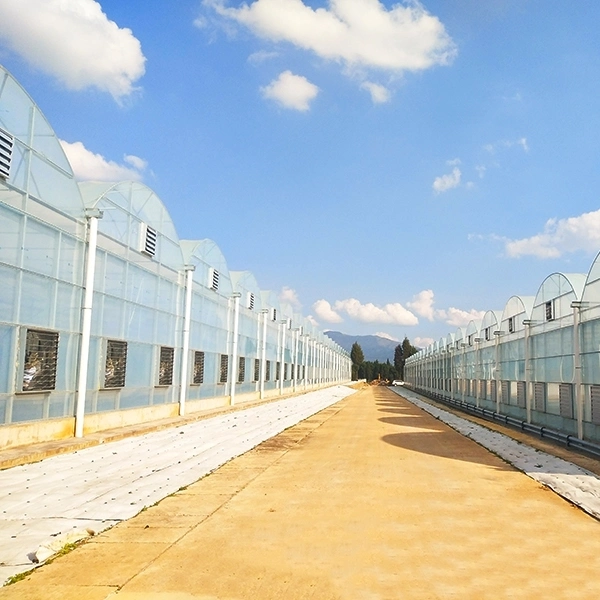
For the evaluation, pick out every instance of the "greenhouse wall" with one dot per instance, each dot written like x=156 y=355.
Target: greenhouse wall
x=107 y=318
x=538 y=360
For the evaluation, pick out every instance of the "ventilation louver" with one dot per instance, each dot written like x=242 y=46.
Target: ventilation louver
x=214 y=280
x=149 y=241
x=6 y=149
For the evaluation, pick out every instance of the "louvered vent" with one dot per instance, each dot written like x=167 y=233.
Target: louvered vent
x=6 y=148
x=214 y=280
x=274 y=315
x=149 y=240
x=250 y=300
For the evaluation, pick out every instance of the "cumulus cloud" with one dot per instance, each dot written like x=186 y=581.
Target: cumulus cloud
x=75 y=42
x=447 y=182
x=325 y=312
x=387 y=336
x=312 y=320
x=422 y=342
x=422 y=304
x=559 y=237
x=291 y=91
x=393 y=313
x=460 y=318
x=290 y=296
x=356 y=33
x=88 y=166
x=379 y=93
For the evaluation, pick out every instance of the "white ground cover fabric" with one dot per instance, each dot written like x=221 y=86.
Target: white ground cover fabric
x=95 y=488
x=579 y=486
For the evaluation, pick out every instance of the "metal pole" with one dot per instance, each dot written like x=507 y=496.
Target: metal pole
x=86 y=325
x=189 y=278
x=234 y=346
x=263 y=365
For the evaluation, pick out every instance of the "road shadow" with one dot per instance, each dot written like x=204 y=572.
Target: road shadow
x=425 y=434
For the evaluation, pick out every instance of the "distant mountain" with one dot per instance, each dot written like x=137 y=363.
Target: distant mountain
x=373 y=346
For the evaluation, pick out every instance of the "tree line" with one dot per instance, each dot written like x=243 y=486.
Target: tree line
x=375 y=370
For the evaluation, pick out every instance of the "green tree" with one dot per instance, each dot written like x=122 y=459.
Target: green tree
x=358 y=358
x=407 y=350
x=398 y=358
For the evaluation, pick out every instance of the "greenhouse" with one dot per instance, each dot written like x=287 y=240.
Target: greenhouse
x=537 y=360
x=107 y=318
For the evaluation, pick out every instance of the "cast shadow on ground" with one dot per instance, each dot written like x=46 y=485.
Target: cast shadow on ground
x=425 y=434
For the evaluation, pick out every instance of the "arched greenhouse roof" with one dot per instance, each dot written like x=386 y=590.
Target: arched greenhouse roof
x=591 y=291
x=519 y=309
x=556 y=294
x=207 y=258
x=128 y=208
x=38 y=165
x=245 y=283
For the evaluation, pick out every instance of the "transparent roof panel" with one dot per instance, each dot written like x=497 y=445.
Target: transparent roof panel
x=591 y=292
x=50 y=177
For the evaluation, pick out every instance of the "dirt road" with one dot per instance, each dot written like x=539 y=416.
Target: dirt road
x=370 y=499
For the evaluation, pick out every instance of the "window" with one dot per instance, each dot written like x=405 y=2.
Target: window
x=505 y=392
x=224 y=370
x=165 y=368
x=241 y=369
x=256 y=369
x=41 y=353
x=148 y=240
x=511 y=324
x=549 y=311
x=213 y=280
x=521 y=394
x=487 y=334
x=565 y=397
x=278 y=371
x=483 y=388
x=470 y=340
x=285 y=371
x=595 y=402
x=116 y=364
x=268 y=371
x=198 y=376
x=250 y=300
x=539 y=396
x=6 y=148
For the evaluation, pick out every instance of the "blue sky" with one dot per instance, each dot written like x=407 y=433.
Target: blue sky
x=392 y=168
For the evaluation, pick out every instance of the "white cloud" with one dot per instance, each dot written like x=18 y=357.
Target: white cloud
x=422 y=342
x=324 y=311
x=492 y=148
x=291 y=91
x=454 y=162
x=447 y=182
x=422 y=304
x=261 y=56
x=481 y=169
x=356 y=33
x=387 y=336
x=460 y=318
x=88 y=166
x=75 y=42
x=312 y=320
x=393 y=313
x=559 y=237
x=289 y=296
x=379 y=93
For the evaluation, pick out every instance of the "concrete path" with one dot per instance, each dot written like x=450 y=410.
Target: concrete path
x=371 y=498
x=64 y=497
